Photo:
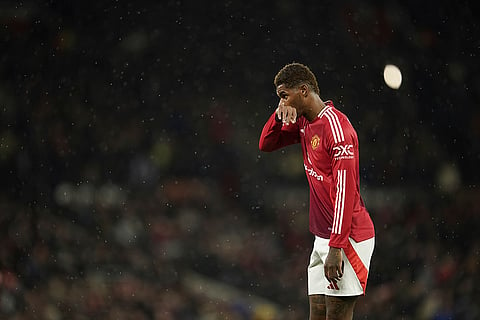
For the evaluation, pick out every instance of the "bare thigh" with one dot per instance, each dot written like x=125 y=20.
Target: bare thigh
x=318 y=310
x=340 y=308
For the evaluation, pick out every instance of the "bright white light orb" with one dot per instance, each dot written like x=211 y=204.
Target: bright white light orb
x=392 y=76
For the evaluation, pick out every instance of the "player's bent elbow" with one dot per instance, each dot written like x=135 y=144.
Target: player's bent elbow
x=265 y=147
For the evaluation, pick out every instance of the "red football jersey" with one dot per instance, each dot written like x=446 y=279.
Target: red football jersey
x=330 y=158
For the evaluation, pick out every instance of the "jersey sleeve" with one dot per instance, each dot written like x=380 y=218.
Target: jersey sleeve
x=342 y=147
x=276 y=135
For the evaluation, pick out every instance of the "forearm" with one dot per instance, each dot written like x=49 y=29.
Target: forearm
x=343 y=210
x=273 y=137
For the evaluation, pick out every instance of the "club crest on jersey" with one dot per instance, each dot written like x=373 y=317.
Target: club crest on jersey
x=315 y=142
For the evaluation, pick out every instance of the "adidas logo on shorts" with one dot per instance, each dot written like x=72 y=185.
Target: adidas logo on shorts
x=333 y=286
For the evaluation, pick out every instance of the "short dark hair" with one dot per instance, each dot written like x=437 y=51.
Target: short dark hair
x=295 y=74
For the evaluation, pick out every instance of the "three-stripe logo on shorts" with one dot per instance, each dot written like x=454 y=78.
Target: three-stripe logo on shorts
x=333 y=286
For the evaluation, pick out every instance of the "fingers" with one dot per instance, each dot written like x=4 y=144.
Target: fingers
x=293 y=115
x=333 y=273
x=289 y=116
x=286 y=113
x=334 y=264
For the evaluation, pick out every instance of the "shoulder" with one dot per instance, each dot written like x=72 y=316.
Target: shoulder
x=338 y=125
x=334 y=121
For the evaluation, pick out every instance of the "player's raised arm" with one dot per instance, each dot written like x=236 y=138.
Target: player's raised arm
x=280 y=130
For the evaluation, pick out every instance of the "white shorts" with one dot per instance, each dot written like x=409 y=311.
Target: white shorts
x=357 y=263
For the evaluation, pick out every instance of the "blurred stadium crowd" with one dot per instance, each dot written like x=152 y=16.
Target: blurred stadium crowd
x=133 y=188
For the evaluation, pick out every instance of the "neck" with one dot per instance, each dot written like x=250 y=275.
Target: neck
x=316 y=106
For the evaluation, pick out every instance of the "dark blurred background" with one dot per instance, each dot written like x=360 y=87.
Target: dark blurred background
x=133 y=187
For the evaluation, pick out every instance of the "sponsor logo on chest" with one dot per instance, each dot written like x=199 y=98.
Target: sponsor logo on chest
x=343 y=152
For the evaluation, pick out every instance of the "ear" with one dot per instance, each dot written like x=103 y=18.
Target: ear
x=304 y=90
